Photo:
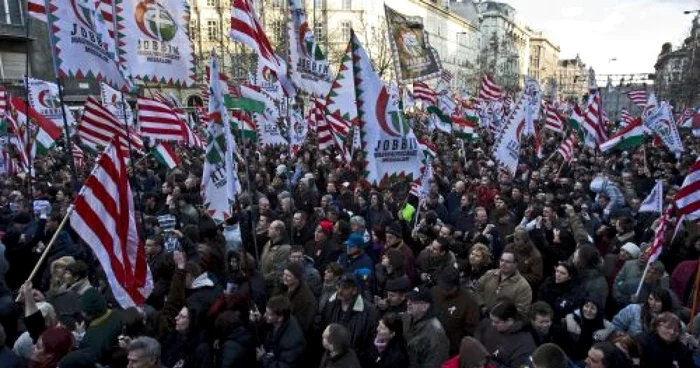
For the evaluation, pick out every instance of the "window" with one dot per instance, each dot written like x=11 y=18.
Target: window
x=194 y=29
x=211 y=2
x=277 y=29
x=12 y=65
x=277 y=4
x=346 y=4
x=318 y=31
x=318 y=4
x=212 y=30
x=11 y=12
x=345 y=28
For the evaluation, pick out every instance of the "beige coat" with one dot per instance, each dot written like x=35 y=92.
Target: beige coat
x=490 y=290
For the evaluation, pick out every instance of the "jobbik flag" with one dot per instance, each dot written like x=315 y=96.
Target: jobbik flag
x=115 y=102
x=389 y=146
x=154 y=40
x=654 y=201
x=298 y=129
x=219 y=179
x=414 y=59
x=44 y=99
x=269 y=132
x=83 y=45
x=309 y=67
x=507 y=147
x=266 y=79
x=658 y=118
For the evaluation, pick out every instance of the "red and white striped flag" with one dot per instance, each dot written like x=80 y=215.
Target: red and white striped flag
x=98 y=126
x=553 y=121
x=446 y=75
x=490 y=91
x=317 y=120
x=688 y=197
x=423 y=93
x=202 y=115
x=192 y=139
x=658 y=244
x=158 y=120
x=3 y=101
x=37 y=10
x=639 y=97
x=566 y=149
x=593 y=118
x=685 y=119
x=625 y=116
x=104 y=217
x=78 y=156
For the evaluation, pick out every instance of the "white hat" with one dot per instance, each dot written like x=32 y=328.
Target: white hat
x=632 y=249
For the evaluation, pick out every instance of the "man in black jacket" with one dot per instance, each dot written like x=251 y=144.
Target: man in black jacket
x=284 y=343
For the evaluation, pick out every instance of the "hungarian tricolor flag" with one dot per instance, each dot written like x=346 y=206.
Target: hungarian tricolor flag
x=166 y=155
x=630 y=137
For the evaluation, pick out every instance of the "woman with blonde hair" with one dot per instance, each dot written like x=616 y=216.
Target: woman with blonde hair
x=479 y=261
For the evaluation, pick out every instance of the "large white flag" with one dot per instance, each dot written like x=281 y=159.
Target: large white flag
x=220 y=179
x=658 y=118
x=83 y=47
x=270 y=134
x=654 y=201
x=154 y=41
x=115 y=102
x=533 y=101
x=309 y=67
x=298 y=129
x=507 y=147
x=44 y=98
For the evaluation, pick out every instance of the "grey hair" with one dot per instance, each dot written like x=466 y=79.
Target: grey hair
x=358 y=220
x=149 y=345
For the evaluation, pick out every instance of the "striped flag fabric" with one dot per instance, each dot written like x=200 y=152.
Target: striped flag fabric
x=78 y=156
x=192 y=139
x=166 y=155
x=158 y=120
x=104 y=217
x=638 y=97
x=685 y=120
x=242 y=121
x=553 y=121
x=446 y=75
x=202 y=115
x=625 y=116
x=688 y=197
x=490 y=91
x=424 y=93
x=658 y=244
x=98 y=126
x=47 y=131
x=3 y=101
x=593 y=121
x=566 y=148
x=629 y=137
x=37 y=10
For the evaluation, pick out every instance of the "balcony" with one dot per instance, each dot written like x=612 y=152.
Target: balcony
x=12 y=20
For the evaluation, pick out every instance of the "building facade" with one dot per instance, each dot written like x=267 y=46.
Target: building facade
x=544 y=63
x=677 y=76
x=571 y=79
x=505 y=45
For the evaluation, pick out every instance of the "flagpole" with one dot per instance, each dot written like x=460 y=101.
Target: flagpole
x=45 y=253
x=252 y=193
x=132 y=164
x=29 y=145
x=641 y=281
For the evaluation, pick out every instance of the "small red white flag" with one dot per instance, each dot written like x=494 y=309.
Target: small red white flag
x=103 y=216
x=158 y=120
x=639 y=97
x=490 y=91
x=688 y=197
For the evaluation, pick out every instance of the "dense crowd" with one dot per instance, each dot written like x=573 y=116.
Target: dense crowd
x=317 y=269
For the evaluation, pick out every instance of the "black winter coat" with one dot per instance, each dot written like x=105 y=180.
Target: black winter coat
x=346 y=360
x=236 y=350
x=191 y=351
x=286 y=346
x=564 y=298
x=392 y=357
x=360 y=319
x=656 y=353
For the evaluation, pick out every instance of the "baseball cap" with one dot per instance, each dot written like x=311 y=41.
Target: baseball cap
x=420 y=294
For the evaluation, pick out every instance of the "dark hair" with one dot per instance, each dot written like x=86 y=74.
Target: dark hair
x=339 y=337
x=297 y=249
x=540 y=308
x=193 y=268
x=132 y=322
x=666 y=317
x=505 y=310
x=510 y=248
x=612 y=356
x=78 y=269
x=550 y=356
x=570 y=268
x=588 y=257
x=335 y=268
x=394 y=323
x=662 y=294
x=281 y=306
x=226 y=323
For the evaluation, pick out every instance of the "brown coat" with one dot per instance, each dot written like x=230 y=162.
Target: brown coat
x=490 y=289
x=458 y=313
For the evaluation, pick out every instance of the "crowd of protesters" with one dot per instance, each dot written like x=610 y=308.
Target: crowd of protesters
x=317 y=269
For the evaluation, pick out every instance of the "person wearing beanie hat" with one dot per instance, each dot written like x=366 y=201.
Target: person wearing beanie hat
x=394 y=240
x=395 y=301
x=322 y=249
x=627 y=280
x=471 y=354
x=356 y=261
x=426 y=341
x=299 y=294
x=456 y=307
x=631 y=249
x=104 y=325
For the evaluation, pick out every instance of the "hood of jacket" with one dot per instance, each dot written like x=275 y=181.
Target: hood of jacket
x=202 y=281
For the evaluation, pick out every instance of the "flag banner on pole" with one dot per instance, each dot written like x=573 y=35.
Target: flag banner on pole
x=159 y=121
x=310 y=71
x=654 y=201
x=628 y=138
x=37 y=10
x=685 y=120
x=533 y=101
x=389 y=146
x=553 y=121
x=414 y=59
x=116 y=103
x=166 y=155
x=98 y=126
x=78 y=156
x=270 y=134
x=566 y=149
x=658 y=245
x=639 y=98
x=104 y=217
x=340 y=107
x=3 y=101
x=44 y=99
x=154 y=41
x=625 y=116
x=220 y=183
x=688 y=197
x=268 y=82
x=298 y=129
x=192 y=139
x=422 y=92
x=82 y=44
x=593 y=122
x=45 y=135
x=489 y=90
x=659 y=119
x=253 y=97
x=246 y=28
x=506 y=150
x=242 y=121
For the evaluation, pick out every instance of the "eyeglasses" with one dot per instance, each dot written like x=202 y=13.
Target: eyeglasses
x=506 y=261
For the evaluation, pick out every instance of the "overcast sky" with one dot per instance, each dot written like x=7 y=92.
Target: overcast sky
x=632 y=31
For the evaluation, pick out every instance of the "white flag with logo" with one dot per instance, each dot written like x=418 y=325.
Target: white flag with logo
x=115 y=102
x=44 y=98
x=654 y=201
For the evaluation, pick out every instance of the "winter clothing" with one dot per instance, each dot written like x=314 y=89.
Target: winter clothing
x=585 y=333
x=393 y=356
x=595 y=285
x=426 y=341
x=303 y=306
x=490 y=288
x=511 y=348
x=657 y=353
x=360 y=319
x=345 y=360
x=236 y=349
x=284 y=345
x=564 y=298
x=458 y=312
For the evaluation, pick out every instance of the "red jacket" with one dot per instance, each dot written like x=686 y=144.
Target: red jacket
x=454 y=363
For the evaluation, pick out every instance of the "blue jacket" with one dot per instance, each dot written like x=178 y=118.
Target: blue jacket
x=362 y=267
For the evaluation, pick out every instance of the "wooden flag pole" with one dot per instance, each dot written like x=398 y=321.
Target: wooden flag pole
x=48 y=246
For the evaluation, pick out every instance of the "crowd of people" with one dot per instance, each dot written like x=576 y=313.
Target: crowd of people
x=317 y=269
